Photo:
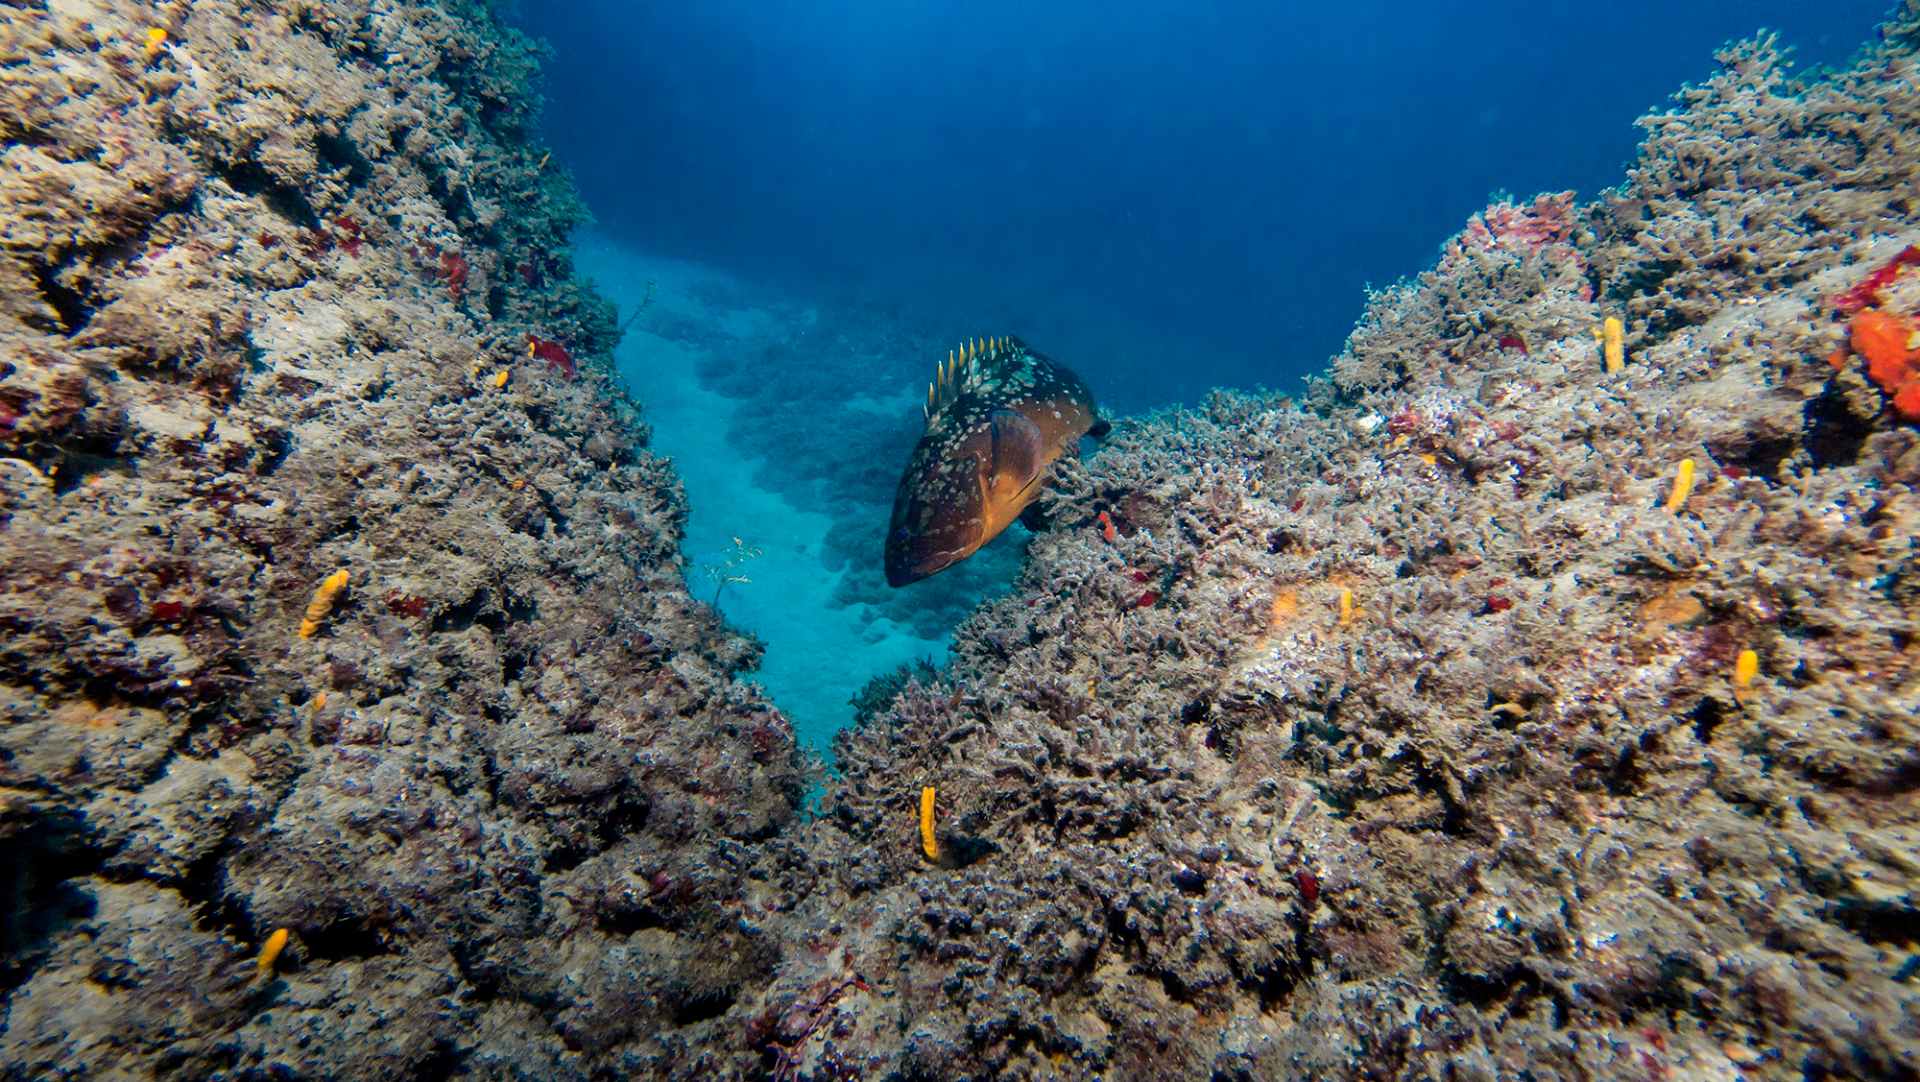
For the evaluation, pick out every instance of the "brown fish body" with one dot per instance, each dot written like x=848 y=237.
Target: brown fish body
x=998 y=416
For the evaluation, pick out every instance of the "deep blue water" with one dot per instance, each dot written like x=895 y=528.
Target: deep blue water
x=1169 y=196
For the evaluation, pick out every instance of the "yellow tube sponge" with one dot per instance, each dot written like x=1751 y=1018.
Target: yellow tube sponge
x=270 y=951
x=1682 y=486
x=322 y=602
x=1745 y=668
x=928 y=843
x=1613 y=342
x=1346 y=606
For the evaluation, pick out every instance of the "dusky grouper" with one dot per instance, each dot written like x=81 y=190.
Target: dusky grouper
x=998 y=415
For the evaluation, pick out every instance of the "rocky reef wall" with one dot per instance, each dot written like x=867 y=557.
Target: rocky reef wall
x=1493 y=707
x=1491 y=711
x=286 y=293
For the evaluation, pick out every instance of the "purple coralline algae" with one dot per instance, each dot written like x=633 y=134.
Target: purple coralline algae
x=1434 y=723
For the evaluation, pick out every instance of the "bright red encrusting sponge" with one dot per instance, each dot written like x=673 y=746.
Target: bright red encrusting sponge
x=1885 y=340
x=1867 y=293
x=1309 y=886
x=552 y=352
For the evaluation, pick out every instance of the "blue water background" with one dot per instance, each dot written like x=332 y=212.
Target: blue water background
x=1170 y=195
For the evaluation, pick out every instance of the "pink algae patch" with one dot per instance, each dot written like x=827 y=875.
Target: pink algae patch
x=1525 y=227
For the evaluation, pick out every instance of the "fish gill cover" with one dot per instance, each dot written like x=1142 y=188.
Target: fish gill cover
x=1517 y=699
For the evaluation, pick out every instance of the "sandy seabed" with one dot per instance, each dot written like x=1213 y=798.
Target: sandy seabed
x=820 y=651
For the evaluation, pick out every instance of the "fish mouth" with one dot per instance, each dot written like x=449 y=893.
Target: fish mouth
x=908 y=562
x=948 y=533
x=903 y=567
x=906 y=571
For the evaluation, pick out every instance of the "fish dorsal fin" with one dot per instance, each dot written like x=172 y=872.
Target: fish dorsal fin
x=951 y=376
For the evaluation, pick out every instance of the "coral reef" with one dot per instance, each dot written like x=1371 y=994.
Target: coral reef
x=490 y=803
x=1440 y=723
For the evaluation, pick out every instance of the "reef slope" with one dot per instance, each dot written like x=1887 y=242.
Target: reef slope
x=286 y=292
x=1401 y=731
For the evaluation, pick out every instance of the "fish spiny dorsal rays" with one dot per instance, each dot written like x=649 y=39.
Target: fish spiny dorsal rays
x=948 y=374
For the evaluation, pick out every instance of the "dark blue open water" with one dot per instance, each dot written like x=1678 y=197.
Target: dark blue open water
x=1207 y=182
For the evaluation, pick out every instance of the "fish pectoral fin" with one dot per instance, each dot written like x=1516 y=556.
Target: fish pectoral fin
x=1018 y=451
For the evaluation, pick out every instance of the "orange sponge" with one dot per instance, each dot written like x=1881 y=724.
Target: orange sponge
x=1882 y=337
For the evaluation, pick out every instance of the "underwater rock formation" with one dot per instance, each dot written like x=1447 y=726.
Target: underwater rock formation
x=1483 y=711
x=1438 y=724
x=286 y=294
